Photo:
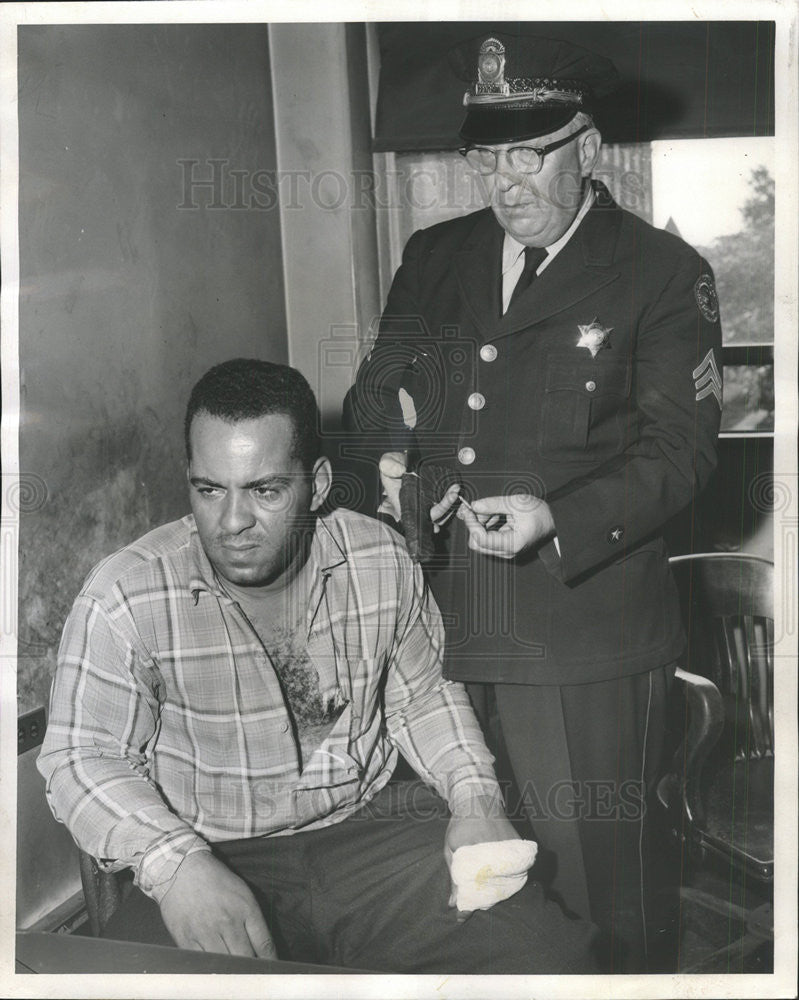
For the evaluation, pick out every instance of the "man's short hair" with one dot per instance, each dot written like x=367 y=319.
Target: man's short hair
x=245 y=389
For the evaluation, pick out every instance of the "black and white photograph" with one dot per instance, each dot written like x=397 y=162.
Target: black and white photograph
x=400 y=520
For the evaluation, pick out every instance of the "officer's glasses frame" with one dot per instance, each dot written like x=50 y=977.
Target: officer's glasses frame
x=522 y=159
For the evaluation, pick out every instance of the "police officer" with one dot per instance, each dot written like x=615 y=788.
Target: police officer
x=563 y=359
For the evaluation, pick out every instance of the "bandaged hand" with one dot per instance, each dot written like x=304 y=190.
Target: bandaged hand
x=487 y=859
x=485 y=874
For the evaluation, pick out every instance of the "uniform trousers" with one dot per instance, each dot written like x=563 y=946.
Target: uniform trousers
x=585 y=759
x=371 y=893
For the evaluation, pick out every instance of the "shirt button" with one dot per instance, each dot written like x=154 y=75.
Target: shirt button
x=284 y=728
x=488 y=352
x=476 y=401
x=466 y=456
x=591 y=386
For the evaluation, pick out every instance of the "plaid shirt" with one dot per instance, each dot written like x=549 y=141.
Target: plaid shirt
x=168 y=729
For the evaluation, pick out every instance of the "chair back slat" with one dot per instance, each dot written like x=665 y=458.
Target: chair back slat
x=758 y=708
x=763 y=676
x=769 y=670
x=728 y=610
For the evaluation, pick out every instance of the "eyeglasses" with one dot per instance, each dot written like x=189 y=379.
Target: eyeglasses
x=522 y=159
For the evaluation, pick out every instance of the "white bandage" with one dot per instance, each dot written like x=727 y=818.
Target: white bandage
x=485 y=874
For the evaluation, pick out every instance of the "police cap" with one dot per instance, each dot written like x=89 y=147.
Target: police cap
x=523 y=86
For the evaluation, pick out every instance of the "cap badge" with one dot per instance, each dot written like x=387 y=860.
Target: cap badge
x=491 y=68
x=594 y=336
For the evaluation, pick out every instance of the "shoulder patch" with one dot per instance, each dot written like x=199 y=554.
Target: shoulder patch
x=706 y=298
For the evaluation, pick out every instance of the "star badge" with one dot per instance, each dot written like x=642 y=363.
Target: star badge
x=594 y=336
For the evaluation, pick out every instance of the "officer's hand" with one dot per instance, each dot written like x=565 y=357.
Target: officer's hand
x=527 y=523
x=441 y=512
x=209 y=908
x=392 y=467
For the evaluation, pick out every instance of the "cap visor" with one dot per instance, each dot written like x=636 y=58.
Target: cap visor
x=485 y=124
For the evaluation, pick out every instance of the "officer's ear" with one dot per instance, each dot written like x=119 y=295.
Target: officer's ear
x=590 y=145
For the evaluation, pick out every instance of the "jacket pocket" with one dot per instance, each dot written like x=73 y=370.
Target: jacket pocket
x=585 y=408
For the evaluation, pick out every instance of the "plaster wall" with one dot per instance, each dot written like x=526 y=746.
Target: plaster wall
x=133 y=282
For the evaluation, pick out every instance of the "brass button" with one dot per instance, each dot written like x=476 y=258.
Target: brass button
x=466 y=456
x=476 y=401
x=488 y=352
x=591 y=386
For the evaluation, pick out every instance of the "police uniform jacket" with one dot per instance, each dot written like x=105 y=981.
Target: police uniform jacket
x=617 y=439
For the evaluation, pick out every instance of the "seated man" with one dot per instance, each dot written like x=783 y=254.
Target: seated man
x=231 y=693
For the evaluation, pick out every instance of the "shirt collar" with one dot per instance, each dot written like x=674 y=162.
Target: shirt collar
x=326 y=554
x=511 y=248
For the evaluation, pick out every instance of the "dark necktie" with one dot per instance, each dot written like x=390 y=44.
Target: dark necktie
x=533 y=256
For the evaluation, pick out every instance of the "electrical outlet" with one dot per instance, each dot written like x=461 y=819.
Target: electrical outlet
x=30 y=730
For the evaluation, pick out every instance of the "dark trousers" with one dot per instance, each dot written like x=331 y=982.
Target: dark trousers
x=371 y=893
x=585 y=759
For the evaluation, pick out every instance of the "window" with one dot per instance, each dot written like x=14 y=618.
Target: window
x=719 y=196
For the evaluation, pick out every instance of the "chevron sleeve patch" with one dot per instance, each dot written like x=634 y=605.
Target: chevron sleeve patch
x=707 y=380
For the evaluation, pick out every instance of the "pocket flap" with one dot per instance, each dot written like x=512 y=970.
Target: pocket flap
x=590 y=377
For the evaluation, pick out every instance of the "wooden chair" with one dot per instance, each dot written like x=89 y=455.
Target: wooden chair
x=719 y=791
x=103 y=891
